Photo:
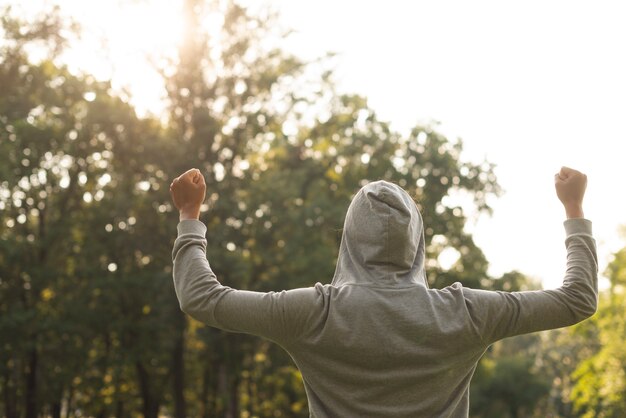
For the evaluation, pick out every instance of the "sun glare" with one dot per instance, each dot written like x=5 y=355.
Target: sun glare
x=149 y=26
x=134 y=37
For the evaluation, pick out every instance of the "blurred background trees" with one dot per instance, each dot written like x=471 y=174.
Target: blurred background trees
x=89 y=322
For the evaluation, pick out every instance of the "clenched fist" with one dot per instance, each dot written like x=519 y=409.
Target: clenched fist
x=570 y=189
x=188 y=192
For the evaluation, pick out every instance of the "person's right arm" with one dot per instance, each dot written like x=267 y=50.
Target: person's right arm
x=496 y=315
x=278 y=316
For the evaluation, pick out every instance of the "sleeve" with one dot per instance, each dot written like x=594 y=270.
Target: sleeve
x=496 y=315
x=278 y=316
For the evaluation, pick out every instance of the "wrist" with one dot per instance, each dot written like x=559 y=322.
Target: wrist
x=185 y=214
x=574 y=211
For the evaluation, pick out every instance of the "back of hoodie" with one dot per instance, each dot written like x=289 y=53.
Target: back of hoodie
x=377 y=342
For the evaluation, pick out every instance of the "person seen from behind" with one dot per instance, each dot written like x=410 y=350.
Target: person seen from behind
x=377 y=341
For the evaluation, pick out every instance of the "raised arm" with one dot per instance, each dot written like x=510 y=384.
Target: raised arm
x=496 y=315
x=278 y=316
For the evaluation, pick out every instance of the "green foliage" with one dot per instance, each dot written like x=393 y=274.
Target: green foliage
x=511 y=379
x=616 y=271
x=513 y=389
x=600 y=379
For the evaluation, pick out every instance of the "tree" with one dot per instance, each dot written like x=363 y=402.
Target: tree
x=78 y=276
x=600 y=380
x=40 y=111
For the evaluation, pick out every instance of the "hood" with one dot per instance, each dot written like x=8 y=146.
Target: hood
x=383 y=239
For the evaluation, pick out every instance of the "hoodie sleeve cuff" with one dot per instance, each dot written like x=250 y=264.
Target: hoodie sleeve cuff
x=577 y=226
x=191 y=226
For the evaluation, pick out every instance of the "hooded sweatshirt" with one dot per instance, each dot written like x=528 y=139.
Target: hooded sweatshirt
x=377 y=342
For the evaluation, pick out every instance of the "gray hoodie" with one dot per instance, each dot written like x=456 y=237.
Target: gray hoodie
x=377 y=342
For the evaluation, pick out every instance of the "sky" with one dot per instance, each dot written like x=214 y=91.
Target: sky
x=530 y=86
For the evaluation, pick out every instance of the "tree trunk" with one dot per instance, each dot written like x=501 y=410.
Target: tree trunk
x=209 y=390
x=30 y=392
x=150 y=402
x=55 y=409
x=119 y=404
x=233 y=407
x=151 y=409
x=119 y=409
x=57 y=404
x=223 y=389
x=229 y=391
x=178 y=366
x=69 y=402
x=10 y=397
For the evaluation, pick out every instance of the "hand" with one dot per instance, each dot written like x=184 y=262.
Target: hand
x=570 y=189
x=188 y=192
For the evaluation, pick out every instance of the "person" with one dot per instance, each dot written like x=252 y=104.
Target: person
x=377 y=341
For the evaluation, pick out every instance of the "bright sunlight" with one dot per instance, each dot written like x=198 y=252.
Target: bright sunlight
x=126 y=43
